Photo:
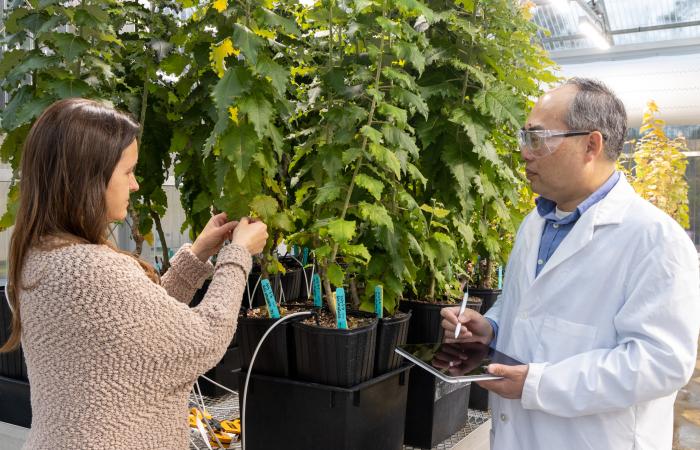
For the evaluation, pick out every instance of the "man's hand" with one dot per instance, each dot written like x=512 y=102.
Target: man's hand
x=511 y=386
x=474 y=327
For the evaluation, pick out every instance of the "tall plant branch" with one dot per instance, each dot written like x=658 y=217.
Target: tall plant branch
x=161 y=236
x=370 y=118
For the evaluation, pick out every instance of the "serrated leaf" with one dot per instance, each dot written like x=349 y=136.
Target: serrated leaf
x=283 y=221
x=174 y=64
x=386 y=157
x=239 y=144
x=416 y=174
x=265 y=206
x=278 y=75
x=501 y=105
x=68 y=45
x=327 y=193
x=373 y=134
x=371 y=185
x=434 y=210
x=392 y=112
x=401 y=139
x=413 y=101
x=488 y=152
x=218 y=56
x=259 y=112
x=248 y=42
x=357 y=251
x=201 y=202
x=411 y=53
x=460 y=167
x=341 y=230
x=376 y=214
x=335 y=274
x=275 y=20
x=235 y=82
x=474 y=128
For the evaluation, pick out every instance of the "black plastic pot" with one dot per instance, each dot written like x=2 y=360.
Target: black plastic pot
x=391 y=332
x=334 y=357
x=435 y=409
x=257 y=293
x=12 y=364
x=292 y=282
x=15 y=400
x=224 y=373
x=487 y=296
x=276 y=356
x=295 y=415
x=426 y=322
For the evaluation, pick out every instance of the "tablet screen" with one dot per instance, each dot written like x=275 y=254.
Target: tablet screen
x=456 y=362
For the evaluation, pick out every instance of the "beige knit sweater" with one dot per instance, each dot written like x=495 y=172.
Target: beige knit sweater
x=111 y=355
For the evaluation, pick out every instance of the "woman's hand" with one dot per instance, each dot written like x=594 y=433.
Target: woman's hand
x=212 y=237
x=250 y=234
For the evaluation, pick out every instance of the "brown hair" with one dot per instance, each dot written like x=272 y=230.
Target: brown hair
x=68 y=159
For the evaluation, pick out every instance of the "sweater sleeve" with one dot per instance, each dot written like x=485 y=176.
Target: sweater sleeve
x=140 y=324
x=185 y=275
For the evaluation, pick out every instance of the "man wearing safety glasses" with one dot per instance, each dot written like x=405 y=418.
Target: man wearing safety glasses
x=601 y=295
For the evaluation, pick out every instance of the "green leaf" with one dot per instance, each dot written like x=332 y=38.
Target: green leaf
x=239 y=145
x=22 y=109
x=460 y=167
x=68 y=45
x=67 y=88
x=385 y=156
x=357 y=251
x=376 y=214
x=411 y=53
x=275 y=20
x=413 y=101
x=373 y=135
x=201 y=202
x=488 y=152
x=501 y=105
x=372 y=185
x=278 y=75
x=235 y=82
x=390 y=111
x=265 y=206
x=416 y=174
x=474 y=127
x=175 y=63
x=259 y=112
x=434 y=210
x=401 y=139
x=327 y=193
x=247 y=41
x=341 y=230
x=335 y=274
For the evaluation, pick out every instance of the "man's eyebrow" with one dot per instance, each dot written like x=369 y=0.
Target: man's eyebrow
x=534 y=128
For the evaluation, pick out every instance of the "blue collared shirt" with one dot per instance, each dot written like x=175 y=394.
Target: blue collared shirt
x=556 y=229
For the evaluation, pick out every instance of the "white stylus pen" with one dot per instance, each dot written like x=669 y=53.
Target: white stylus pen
x=461 y=310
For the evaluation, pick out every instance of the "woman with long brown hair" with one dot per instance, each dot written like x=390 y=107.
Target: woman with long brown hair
x=112 y=352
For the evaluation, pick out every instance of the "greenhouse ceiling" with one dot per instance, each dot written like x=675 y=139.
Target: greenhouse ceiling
x=581 y=31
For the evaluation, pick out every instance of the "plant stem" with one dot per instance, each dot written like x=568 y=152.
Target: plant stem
x=161 y=236
x=370 y=117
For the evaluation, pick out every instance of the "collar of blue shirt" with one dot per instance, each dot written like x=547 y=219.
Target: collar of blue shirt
x=546 y=208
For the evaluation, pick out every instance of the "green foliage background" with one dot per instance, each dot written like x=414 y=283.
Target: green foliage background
x=379 y=133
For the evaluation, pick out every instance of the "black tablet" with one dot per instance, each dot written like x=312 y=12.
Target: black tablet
x=456 y=363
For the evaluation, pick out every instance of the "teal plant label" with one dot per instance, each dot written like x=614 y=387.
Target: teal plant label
x=270 y=299
x=500 y=277
x=379 y=301
x=305 y=256
x=295 y=250
x=340 y=308
x=317 y=290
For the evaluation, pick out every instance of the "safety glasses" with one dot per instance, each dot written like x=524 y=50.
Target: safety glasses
x=541 y=143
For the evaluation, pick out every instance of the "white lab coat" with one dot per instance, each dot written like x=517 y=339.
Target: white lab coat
x=609 y=329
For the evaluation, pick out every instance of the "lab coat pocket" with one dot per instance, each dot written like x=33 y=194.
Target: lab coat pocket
x=561 y=339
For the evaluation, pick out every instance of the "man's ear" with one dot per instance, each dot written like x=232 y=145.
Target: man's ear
x=596 y=144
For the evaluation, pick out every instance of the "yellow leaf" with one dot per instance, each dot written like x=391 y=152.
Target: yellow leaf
x=233 y=113
x=220 y=5
x=267 y=34
x=148 y=237
x=219 y=53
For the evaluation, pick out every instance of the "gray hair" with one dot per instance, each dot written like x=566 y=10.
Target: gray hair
x=596 y=108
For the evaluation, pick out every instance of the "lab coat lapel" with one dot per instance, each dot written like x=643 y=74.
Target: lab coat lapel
x=532 y=233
